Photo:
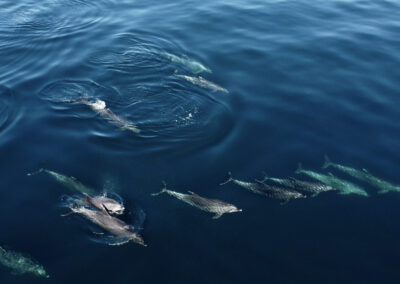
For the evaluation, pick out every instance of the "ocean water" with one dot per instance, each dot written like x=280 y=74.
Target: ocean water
x=305 y=79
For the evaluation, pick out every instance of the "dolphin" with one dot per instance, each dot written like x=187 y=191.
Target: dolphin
x=194 y=66
x=313 y=187
x=103 y=202
x=209 y=205
x=99 y=107
x=258 y=187
x=68 y=181
x=364 y=175
x=20 y=264
x=203 y=83
x=121 y=231
x=344 y=187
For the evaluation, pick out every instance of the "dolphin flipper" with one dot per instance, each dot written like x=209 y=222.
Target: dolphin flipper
x=217 y=215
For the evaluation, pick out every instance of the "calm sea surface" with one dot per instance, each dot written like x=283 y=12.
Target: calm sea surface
x=305 y=79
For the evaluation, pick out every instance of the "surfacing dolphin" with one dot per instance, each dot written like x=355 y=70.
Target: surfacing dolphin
x=122 y=232
x=364 y=175
x=314 y=188
x=258 y=187
x=68 y=181
x=209 y=205
x=99 y=107
x=203 y=83
x=194 y=66
x=344 y=187
x=105 y=203
x=20 y=264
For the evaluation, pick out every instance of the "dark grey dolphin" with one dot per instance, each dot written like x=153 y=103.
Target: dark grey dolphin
x=210 y=205
x=258 y=187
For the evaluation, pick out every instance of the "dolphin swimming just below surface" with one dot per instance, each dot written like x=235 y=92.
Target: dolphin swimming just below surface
x=343 y=186
x=99 y=107
x=68 y=181
x=364 y=175
x=312 y=187
x=203 y=83
x=20 y=264
x=194 y=66
x=209 y=205
x=258 y=187
x=103 y=202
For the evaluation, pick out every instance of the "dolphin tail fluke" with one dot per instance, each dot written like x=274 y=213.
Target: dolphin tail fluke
x=265 y=177
x=299 y=168
x=164 y=189
x=36 y=172
x=327 y=162
x=228 y=180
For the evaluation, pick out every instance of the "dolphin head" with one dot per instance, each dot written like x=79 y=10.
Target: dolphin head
x=233 y=209
x=136 y=238
x=41 y=272
x=98 y=105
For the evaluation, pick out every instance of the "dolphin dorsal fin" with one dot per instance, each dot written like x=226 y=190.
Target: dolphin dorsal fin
x=365 y=170
x=191 y=192
x=106 y=209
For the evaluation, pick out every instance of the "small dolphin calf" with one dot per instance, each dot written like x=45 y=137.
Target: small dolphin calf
x=194 y=66
x=99 y=107
x=20 y=264
x=344 y=187
x=313 y=187
x=68 y=181
x=258 y=187
x=209 y=205
x=122 y=232
x=203 y=83
x=364 y=175
x=103 y=202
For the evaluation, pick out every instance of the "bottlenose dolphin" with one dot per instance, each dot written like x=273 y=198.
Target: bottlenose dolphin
x=344 y=187
x=203 y=83
x=209 y=205
x=68 y=181
x=103 y=202
x=313 y=187
x=122 y=232
x=194 y=66
x=258 y=187
x=99 y=107
x=20 y=264
x=364 y=175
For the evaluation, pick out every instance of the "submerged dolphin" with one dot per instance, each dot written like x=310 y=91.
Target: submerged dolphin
x=344 y=187
x=99 y=107
x=313 y=187
x=258 y=187
x=209 y=205
x=194 y=66
x=68 y=181
x=103 y=202
x=122 y=232
x=203 y=83
x=364 y=175
x=20 y=264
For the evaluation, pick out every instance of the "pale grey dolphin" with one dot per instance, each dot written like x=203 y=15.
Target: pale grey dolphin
x=103 y=202
x=209 y=205
x=194 y=66
x=313 y=187
x=68 y=181
x=364 y=175
x=343 y=186
x=121 y=231
x=203 y=83
x=99 y=107
x=258 y=187
x=20 y=264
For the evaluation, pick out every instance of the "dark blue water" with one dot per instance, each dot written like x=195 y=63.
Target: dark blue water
x=305 y=79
